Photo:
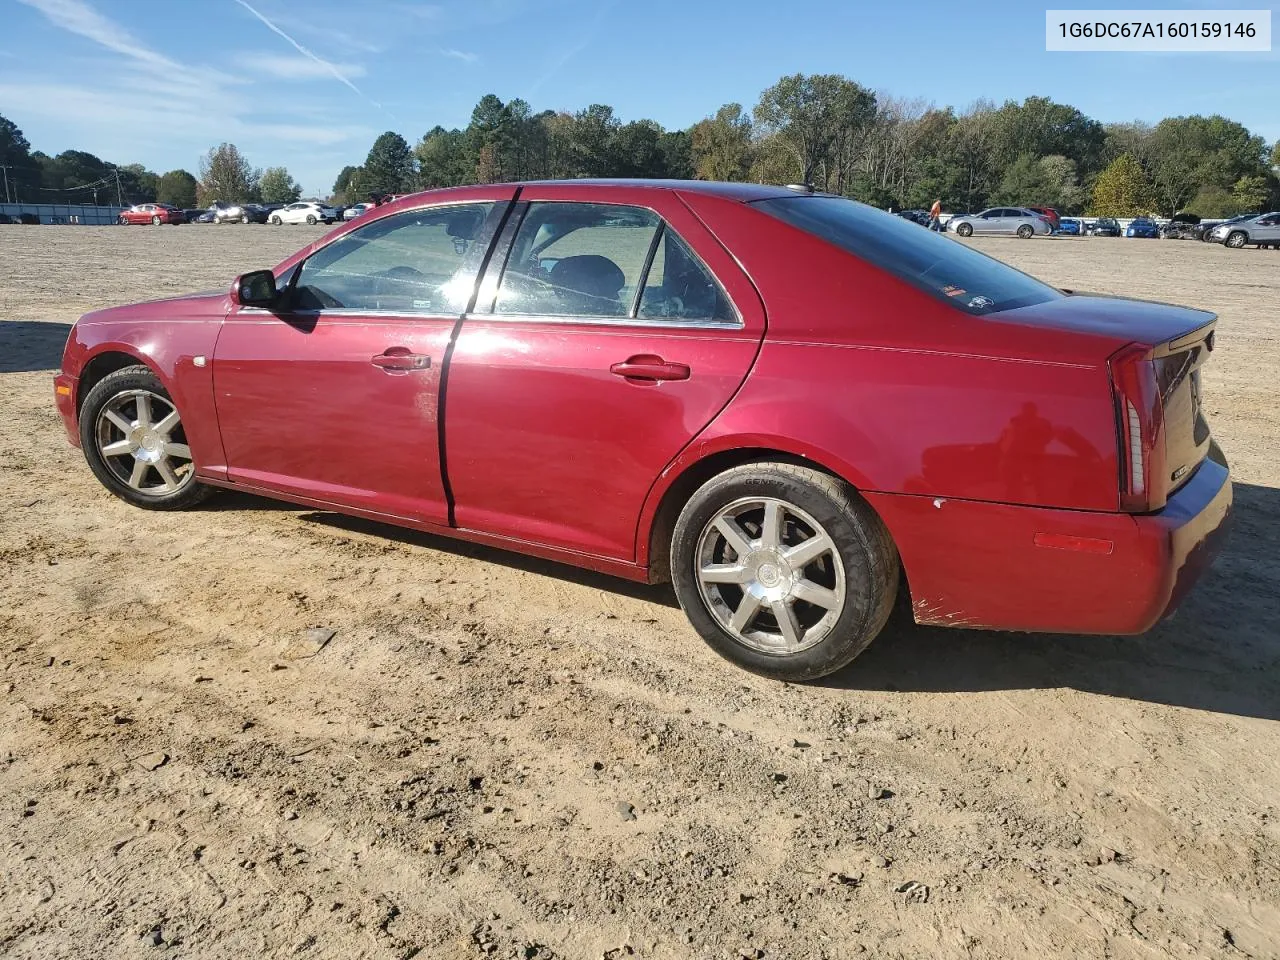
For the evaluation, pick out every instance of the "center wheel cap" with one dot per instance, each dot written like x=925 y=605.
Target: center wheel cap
x=769 y=575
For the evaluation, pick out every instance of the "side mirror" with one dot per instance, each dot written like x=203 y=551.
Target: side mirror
x=255 y=289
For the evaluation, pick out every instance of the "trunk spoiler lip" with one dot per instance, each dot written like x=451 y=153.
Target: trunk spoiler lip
x=1204 y=332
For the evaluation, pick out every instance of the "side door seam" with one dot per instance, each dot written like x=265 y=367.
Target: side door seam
x=447 y=360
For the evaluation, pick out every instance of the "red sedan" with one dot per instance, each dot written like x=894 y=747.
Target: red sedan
x=790 y=405
x=153 y=213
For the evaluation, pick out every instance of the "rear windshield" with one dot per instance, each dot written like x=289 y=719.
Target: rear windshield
x=946 y=268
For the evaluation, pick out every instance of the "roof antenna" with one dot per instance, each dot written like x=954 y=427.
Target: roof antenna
x=801 y=187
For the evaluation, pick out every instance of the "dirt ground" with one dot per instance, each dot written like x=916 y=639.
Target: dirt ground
x=500 y=757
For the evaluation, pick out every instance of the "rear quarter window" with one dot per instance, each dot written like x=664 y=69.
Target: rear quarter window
x=943 y=267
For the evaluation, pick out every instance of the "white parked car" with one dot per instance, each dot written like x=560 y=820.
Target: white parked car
x=354 y=211
x=305 y=211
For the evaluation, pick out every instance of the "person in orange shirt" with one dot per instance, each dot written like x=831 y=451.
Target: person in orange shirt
x=935 y=215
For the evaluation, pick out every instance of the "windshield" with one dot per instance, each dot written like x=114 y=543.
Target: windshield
x=937 y=264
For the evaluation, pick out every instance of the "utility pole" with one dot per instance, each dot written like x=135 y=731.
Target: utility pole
x=119 y=199
x=5 y=170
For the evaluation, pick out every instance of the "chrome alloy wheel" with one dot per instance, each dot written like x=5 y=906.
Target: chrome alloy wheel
x=770 y=575
x=139 y=436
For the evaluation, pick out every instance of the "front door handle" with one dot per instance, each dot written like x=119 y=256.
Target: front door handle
x=400 y=360
x=646 y=367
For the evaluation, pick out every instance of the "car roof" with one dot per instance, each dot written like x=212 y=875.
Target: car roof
x=743 y=192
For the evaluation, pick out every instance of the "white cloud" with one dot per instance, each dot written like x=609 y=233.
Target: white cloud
x=80 y=18
x=462 y=55
x=294 y=68
x=331 y=68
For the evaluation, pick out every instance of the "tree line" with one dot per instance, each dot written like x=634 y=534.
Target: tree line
x=823 y=129
x=844 y=138
x=75 y=176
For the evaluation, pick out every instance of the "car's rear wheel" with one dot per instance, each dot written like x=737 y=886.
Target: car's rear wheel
x=965 y=229
x=155 y=220
x=1237 y=239
x=783 y=570
x=311 y=220
x=1026 y=231
x=135 y=442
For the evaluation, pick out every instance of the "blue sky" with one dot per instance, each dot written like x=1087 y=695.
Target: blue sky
x=310 y=83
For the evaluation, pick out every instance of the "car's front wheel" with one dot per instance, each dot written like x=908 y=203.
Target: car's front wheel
x=783 y=569
x=965 y=230
x=122 y=220
x=135 y=442
x=1237 y=239
x=275 y=221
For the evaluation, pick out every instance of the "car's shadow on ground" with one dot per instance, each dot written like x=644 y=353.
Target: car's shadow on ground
x=1220 y=653
x=654 y=593
x=30 y=345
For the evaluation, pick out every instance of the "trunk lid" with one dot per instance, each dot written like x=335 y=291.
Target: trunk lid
x=1178 y=341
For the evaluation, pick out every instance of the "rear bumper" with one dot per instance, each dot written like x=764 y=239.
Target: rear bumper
x=64 y=395
x=978 y=565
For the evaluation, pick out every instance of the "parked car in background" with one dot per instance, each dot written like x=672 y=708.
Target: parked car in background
x=193 y=216
x=520 y=344
x=1014 y=221
x=1181 y=226
x=1260 y=231
x=1070 y=227
x=350 y=213
x=5 y=219
x=1104 y=227
x=152 y=213
x=915 y=216
x=1143 y=227
x=232 y=212
x=1049 y=214
x=304 y=211
x=1211 y=234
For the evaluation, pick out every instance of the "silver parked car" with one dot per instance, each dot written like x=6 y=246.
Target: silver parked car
x=1011 y=221
x=1261 y=231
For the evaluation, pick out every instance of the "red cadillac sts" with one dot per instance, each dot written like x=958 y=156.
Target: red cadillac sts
x=791 y=405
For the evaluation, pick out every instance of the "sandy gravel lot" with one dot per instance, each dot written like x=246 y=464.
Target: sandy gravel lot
x=499 y=757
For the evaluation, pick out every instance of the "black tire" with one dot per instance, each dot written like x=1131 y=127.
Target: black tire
x=311 y=219
x=122 y=220
x=866 y=551
x=1026 y=231
x=1236 y=239
x=275 y=221
x=155 y=220
x=126 y=380
x=965 y=229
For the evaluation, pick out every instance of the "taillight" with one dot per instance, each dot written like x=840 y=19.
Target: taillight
x=1140 y=423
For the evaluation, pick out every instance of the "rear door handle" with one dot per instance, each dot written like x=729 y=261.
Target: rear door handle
x=647 y=367
x=400 y=360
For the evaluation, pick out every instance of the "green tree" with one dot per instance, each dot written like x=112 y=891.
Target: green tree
x=1041 y=181
x=1189 y=153
x=811 y=114
x=1122 y=190
x=226 y=176
x=1213 y=203
x=637 y=150
x=389 y=167
x=343 y=186
x=177 y=187
x=442 y=159
x=591 y=141
x=1250 y=193
x=21 y=176
x=677 y=154
x=276 y=186
x=720 y=145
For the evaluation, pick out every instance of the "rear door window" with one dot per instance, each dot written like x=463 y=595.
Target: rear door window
x=935 y=263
